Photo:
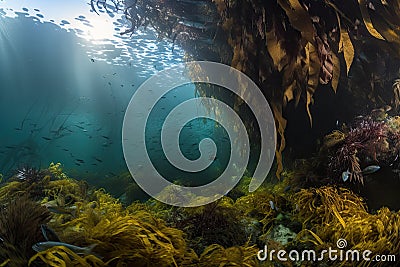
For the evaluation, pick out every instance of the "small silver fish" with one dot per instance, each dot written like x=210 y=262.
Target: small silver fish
x=346 y=175
x=42 y=246
x=273 y=206
x=370 y=169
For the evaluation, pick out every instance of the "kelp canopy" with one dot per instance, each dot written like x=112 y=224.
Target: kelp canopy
x=290 y=48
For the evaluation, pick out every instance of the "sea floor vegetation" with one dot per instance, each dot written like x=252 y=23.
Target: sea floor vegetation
x=50 y=219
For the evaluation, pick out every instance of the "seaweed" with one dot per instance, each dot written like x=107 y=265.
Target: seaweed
x=56 y=170
x=62 y=256
x=257 y=205
x=217 y=255
x=331 y=213
x=123 y=238
x=289 y=48
x=218 y=222
x=271 y=207
x=372 y=139
x=222 y=233
x=29 y=174
x=38 y=184
x=367 y=139
x=292 y=48
x=20 y=221
x=65 y=192
x=9 y=189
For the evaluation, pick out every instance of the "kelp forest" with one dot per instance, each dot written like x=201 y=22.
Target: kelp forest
x=330 y=71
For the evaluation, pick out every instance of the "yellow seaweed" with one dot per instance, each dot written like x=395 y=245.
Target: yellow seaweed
x=330 y=214
x=121 y=237
x=60 y=256
x=217 y=255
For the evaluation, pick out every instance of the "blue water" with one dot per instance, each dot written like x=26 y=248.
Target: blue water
x=63 y=99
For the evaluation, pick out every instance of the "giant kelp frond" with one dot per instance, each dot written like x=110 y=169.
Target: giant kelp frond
x=109 y=6
x=304 y=41
x=188 y=23
x=289 y=48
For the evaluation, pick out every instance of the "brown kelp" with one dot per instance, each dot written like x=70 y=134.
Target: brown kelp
x=52 y=187
x=249 y=219
x=137 y=239
x=20 y=221
x=260 y=205
x=62 y=256
x=289 y=48
x=217 y=255
x=38 y=183
x=330 y=213
x=92 y=228
x=218 y=222
x=30 y=180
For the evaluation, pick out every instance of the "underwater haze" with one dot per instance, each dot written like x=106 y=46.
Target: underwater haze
x=65 y=88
